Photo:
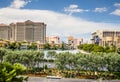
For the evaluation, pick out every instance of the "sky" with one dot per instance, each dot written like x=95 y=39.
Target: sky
x=78 y=18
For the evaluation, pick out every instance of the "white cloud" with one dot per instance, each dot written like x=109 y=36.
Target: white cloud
x=100 y=10
x=19 y=3
x=116 y=11
x=57 y=23
x=117 y=5
x=74 y=9
x=73 y=6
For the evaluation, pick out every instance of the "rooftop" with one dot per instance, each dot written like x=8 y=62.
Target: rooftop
x=3 y=24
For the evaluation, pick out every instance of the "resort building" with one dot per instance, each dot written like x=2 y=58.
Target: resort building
x=74 y=42
x=4 y=32
x=53 y=40
x=106 y=37
x=24 y=31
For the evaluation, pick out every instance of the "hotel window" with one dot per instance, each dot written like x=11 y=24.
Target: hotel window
x=104 y=34
x=117 y=33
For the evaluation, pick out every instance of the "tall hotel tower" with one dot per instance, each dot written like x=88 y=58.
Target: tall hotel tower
x=27 y=31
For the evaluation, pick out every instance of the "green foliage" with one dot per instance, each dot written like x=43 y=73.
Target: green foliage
x=51 y=54
x=60 y=61
x=19 y=68
x=55 y=47
x=28 y=58
x=107 y=48
x=64 y=59
x=118 y=50
x=17 y=45
x=96 y=61
x=117 y=75
x=14 y=45
x=89 y=47
x=32 y=46
x=113 y=48
x=38 y=57
x=95 y=65
x=47 y=46
x=9 y=73
x=2 y=53
x=45 y=66
x=12 y=56
x=97 y=48
x=93 y=62
x=63 y=46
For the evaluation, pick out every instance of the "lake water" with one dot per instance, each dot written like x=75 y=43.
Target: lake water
x=60 y=51
x=52 y=65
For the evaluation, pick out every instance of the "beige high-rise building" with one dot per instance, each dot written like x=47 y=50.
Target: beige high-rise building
x=26 y=31
x=4 y=32
x=106 y=37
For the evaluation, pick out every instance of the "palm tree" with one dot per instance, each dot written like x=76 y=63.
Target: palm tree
x=38 y=57
x=51 y=54
x=2 y=53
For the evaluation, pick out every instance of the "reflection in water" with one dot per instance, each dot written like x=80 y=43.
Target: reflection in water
x=60 y=51
x=51 y=64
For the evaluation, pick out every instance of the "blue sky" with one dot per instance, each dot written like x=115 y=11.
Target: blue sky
x=64 y=17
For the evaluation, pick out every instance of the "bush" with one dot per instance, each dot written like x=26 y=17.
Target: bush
x=117 y=75
x=86 y=47
x=10 y=73
x=118 y=50
x=97 y=48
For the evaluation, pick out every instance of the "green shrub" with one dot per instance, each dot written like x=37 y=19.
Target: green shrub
x=10 y=73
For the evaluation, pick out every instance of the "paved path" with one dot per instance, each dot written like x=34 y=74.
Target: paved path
x=82 y=51
x=39 y=79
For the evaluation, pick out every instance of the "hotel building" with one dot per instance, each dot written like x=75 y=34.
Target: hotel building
x=106 y=37
x=74 y=42
x=24 y=31
x=53 y=39
x=4 y=32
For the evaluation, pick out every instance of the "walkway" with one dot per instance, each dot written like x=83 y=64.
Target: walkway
x=40 y=79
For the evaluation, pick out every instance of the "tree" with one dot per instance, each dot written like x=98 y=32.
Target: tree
x=94 y=48
x=98 y=48
x=32 y=46
x=63 y=46
x=118 y=50
x=38 y=57
x=113 y=48
x=28 y=58
x=12 y=57
x=61 y=61
x=14 y=45
x=51 y=54
x=9 y=73
x=2 y=53
x=87 y=47
x=55 y=47
x=46 y=46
